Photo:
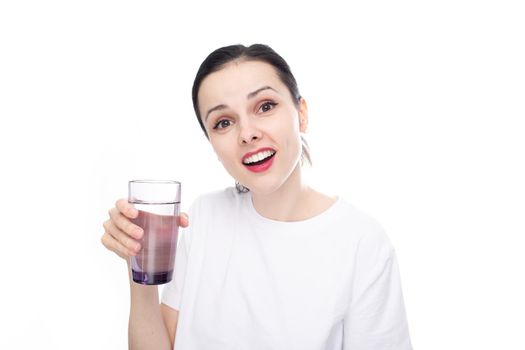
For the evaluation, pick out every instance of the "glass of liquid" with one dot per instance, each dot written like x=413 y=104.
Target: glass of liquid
x=157 y=202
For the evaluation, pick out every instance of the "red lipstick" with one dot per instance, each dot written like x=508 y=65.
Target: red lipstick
x=249 y=154
x=259 y=166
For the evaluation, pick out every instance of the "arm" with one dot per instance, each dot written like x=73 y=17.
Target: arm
x=151 y=326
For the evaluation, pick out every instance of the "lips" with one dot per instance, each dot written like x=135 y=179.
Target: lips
x=253 y=162
x=259 y=167
x=260 y=150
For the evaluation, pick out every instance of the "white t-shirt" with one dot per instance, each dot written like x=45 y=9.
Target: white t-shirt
x=243 y=281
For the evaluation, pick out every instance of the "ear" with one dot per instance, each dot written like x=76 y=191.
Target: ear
x=303 y=115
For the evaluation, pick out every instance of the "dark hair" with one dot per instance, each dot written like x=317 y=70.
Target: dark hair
x=256 y=52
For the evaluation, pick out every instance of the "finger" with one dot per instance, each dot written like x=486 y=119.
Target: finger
x=126 y=208
x=115 y=246
x=124 y=224
x=184 y=220
x=124 y=239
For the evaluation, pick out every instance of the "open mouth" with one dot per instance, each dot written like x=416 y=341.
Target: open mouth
x=259 y=159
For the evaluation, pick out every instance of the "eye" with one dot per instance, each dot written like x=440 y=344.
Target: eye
x=266 y=106
x=222 y=124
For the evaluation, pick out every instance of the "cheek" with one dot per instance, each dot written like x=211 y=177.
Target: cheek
x=223 y=151
x=292 y=125
x=293 y=140
x=294 y=145
x=290 y=131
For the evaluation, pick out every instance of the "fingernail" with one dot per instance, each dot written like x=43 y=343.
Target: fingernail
x=138 y=232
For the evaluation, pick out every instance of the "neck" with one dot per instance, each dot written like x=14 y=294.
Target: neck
x=292 y=201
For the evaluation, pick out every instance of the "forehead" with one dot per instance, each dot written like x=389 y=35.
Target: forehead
x=238 y=78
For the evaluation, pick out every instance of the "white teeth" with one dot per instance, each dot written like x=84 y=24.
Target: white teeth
x=258 y=157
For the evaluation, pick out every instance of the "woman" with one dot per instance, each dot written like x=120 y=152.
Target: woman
x=271 y=263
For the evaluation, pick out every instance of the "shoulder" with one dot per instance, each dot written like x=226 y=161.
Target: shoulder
x=367 y=231
x=219 y=199
x=226 y=195
x=211 y=210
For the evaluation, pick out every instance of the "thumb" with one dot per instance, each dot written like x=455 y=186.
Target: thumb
x=183 y=220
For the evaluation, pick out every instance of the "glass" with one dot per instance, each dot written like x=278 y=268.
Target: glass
x=158 y=205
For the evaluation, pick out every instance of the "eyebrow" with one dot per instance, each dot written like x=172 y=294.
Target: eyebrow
x=249 y=96
x=216 y=108
x=253 y=94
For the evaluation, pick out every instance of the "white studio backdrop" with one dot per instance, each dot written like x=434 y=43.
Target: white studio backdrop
x=416 y=117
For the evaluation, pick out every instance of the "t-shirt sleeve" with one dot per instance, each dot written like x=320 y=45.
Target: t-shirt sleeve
x=172 y=291
x=376 y=318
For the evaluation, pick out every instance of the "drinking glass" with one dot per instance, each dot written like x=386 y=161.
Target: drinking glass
x=158 y=204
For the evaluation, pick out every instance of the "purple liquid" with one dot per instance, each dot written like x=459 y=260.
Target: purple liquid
x=152 y=278
x=154 y=263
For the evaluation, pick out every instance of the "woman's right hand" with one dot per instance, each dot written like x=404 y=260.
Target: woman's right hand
x=121 y=235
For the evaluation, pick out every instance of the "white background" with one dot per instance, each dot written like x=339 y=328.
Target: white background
x=416 y=116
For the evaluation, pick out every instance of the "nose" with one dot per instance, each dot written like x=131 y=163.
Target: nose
x=249 y=132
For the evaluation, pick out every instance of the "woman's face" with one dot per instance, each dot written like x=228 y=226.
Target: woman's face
x=249 y=115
